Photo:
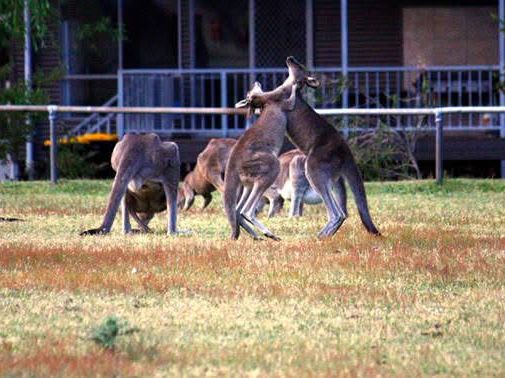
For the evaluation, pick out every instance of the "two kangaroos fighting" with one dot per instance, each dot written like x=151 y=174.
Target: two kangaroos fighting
x=328 y=157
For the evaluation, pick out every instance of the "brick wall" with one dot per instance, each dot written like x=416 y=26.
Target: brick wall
x=450 y=36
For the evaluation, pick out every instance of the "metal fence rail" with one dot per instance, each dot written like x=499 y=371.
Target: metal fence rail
x=438 y=115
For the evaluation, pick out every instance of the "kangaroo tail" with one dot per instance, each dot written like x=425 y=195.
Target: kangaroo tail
x=353 y=176
x=231 y=192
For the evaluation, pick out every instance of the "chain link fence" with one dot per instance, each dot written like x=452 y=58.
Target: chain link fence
x=279 y=31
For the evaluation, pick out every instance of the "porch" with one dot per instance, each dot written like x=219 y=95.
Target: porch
x=362 y=88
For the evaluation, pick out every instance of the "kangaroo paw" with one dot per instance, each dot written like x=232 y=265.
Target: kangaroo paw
x=2 y=219
x=330 y=228
x=93 y=231
x=272 y=236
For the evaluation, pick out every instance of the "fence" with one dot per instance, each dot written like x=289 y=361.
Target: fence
x=367 y=88
x=437 y=113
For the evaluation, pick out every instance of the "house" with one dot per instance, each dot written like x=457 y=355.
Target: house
x=406 y=53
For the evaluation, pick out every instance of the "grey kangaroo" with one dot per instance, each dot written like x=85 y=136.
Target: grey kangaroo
x=253 y=165
x=292 y=184
x=328 y=155
x=139 y=160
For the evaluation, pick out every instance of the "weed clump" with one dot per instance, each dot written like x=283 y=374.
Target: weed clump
x=106 y=333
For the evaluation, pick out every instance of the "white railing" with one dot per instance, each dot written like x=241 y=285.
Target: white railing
x=438 y=115
x=367 y=88
x=95 y=122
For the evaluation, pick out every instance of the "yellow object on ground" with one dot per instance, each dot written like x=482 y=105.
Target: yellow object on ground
x=86 y=139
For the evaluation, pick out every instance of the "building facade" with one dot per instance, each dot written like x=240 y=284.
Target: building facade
x=405 y=53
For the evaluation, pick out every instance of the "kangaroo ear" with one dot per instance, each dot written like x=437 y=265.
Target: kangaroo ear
x=242 y=104
x=312 y=82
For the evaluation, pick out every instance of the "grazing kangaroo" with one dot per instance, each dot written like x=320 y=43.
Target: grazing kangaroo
x=253 y=165
x=209 y=173
x=145 y=202
x=139 y=160
x=293 y=184
x=328 y=155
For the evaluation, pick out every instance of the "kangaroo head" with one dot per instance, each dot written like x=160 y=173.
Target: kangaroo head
x=298 y=74
x=256 y=98
x=252 y=99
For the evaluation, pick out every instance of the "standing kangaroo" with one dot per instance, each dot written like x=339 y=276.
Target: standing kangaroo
x=253 y=165
x=139 y=160
x=328 y=155
x=292 y=184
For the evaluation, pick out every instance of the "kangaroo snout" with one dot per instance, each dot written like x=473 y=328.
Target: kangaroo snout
x=291 y=60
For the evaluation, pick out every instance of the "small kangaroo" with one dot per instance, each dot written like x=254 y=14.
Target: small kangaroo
x=293 y=184
x=253 y=165
x=139 y=160
x=328 y=155
x=209 y=173
x=144 y=203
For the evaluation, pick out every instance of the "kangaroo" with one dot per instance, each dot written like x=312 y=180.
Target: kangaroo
x=209 y=173
x=293 y=184
x=253 y=165
x=139 y=160
x=328 y=155
x=144 y=203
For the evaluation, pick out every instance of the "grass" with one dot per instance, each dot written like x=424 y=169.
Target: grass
x=428 y=298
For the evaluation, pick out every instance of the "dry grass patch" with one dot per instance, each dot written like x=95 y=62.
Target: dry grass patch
x=425 y=299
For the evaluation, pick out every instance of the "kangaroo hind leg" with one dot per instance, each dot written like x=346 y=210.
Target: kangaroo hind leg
x=322 y=183
x=249 y=211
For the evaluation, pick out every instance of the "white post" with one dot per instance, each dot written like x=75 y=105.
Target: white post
x=439 y=147
x=192 y=33
x=120 y=92
x=192 y=57
x=179 y=34
x=252 y=36
x=120 y=103
x=501 y=40
x=344 y=58
x=120 y=34
x=53 y=149
x=309 y=34
x=65 y=44
x=224 y=103
x=29 y=161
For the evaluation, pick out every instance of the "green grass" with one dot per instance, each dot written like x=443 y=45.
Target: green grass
x=427 y=298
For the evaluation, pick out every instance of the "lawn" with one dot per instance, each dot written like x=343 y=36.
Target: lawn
x=427 y=298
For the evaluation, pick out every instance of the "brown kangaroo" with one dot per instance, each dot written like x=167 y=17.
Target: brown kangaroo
x=253 y=165
x=137 y=160
x=328 y=155
x=144 y=203
x=292 y=184
x=209 y=173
